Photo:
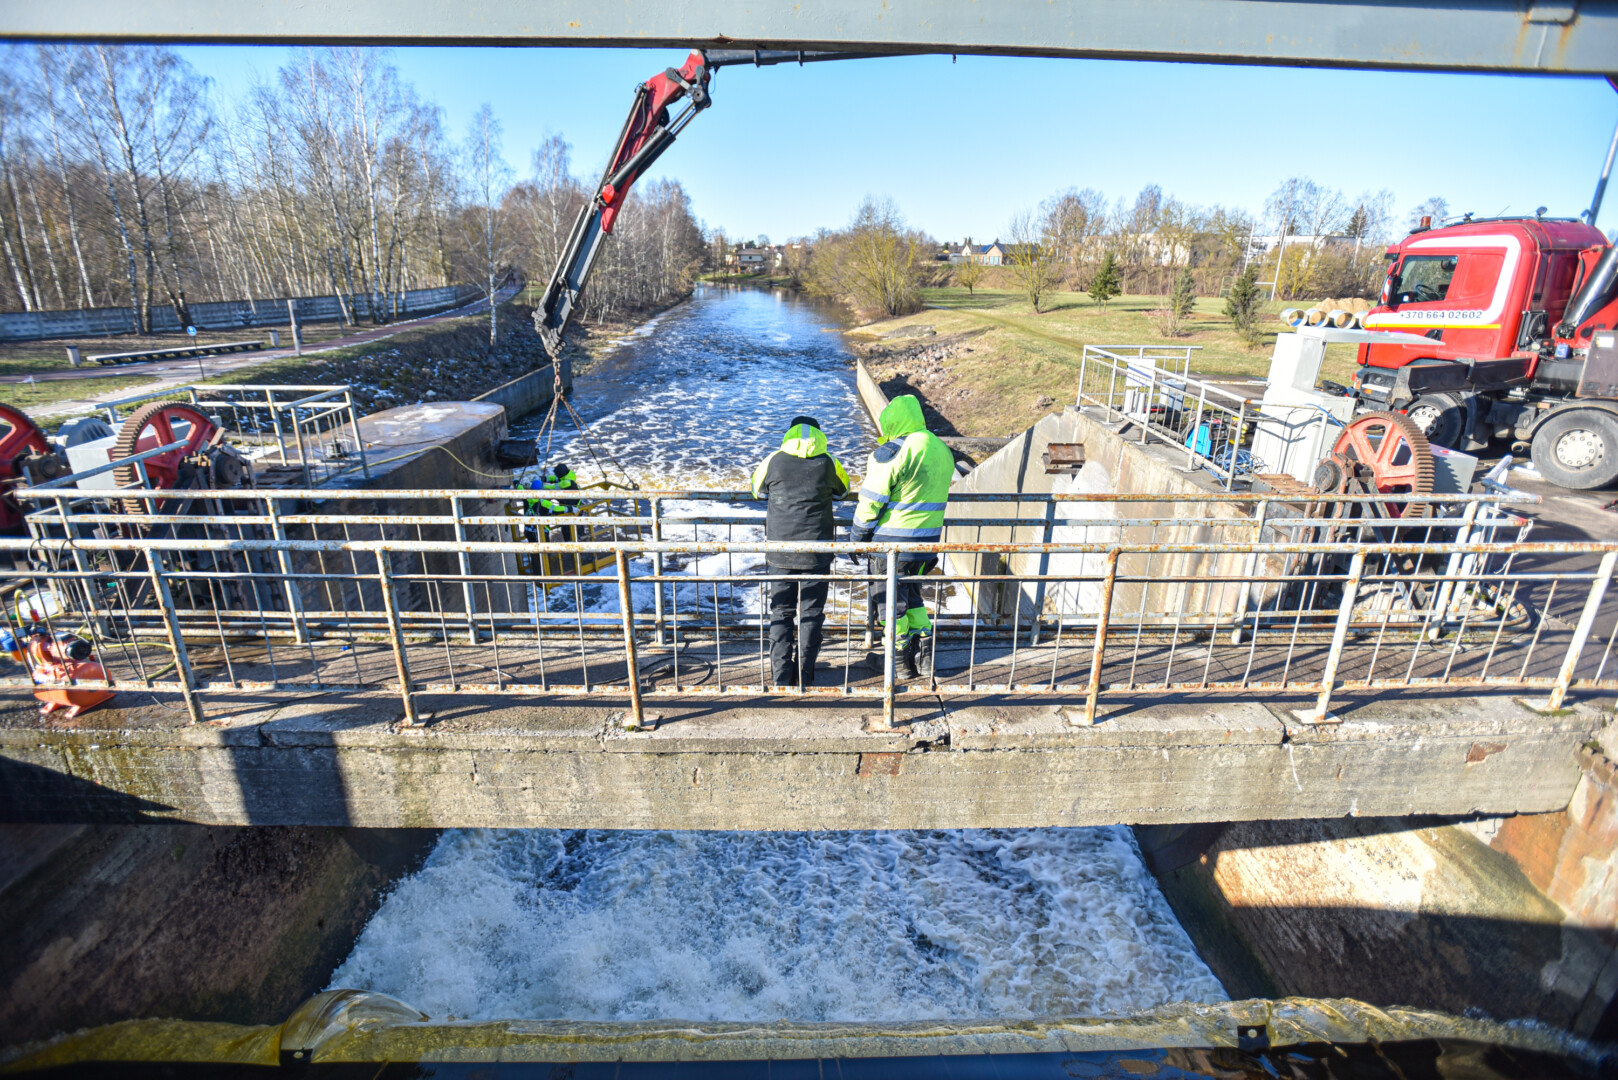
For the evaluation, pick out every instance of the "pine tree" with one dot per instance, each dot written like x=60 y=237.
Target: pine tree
x=1242 y=305
x=1104 y=286
x=1184 y=296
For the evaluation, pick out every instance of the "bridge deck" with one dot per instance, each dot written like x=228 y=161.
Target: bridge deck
x=771 y=763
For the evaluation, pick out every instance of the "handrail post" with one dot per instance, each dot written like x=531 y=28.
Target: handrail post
x=1251 y=573
x=466 y=571
x=889 y=639
x=657 y=569
x=1235 y=447
x=1581 y=632
x=390 y=604
x=182 y=659
x=300 y=630
x=1196 y=427
x=1463 y=535
x=1345 y=615
x=303 y=454
x=1044 y=568
x=1103 y=622
x=275 y=422
x=354 y=427
x=626 y=602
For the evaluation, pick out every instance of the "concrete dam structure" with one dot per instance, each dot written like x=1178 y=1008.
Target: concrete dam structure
x=1124 y=645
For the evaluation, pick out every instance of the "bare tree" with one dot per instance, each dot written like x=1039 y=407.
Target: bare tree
x=872 y=263
x=489 y=176
x=1032 y=255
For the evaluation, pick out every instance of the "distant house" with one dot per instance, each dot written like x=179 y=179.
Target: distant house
x=749 y=259
x=986 y=254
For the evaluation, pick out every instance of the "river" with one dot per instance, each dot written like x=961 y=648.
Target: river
x=601 y=925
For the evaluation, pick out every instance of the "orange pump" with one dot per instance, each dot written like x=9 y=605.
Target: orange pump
x=60 y=659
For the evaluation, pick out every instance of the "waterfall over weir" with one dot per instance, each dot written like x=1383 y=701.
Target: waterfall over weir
x=621 y=926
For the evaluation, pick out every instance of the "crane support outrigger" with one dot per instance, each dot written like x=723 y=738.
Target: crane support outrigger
x=647 y=132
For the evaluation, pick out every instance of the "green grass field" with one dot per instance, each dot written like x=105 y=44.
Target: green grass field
x=987 y=386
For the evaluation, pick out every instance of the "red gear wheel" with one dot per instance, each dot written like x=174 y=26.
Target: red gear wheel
x=1395 y=453
x=21 y=438
x=158 y=424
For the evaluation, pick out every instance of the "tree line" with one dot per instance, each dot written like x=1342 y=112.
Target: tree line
x=1310 y=240
x=123 y=183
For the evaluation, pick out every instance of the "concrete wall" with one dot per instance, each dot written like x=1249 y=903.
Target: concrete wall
x=1512 y=917
x=115 y=922
x=219 y=315
x=1114 y=464
x=544 y=762
x=529 y=393
x=871 y=395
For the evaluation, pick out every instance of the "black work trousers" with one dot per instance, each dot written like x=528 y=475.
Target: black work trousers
x=907 y=596
x=797 y=615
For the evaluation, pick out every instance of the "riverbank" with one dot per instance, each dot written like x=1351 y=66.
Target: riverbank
x=985 y=365
x=443 y=360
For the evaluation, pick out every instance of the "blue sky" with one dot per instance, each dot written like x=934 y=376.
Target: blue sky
x=963 y=146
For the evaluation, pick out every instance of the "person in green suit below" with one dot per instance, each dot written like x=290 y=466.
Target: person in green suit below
x=902 y=498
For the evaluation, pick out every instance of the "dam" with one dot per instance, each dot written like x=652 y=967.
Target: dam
x=984 y=813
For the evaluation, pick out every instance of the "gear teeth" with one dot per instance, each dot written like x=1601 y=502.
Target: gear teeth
x=1421 y=452
x=129 y=438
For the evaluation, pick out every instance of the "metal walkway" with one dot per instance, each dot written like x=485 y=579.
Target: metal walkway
x=285 y=593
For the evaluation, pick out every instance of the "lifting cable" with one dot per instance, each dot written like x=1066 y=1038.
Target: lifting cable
x=547 y=431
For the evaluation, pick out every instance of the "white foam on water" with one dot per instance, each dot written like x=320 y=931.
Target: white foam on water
x=761 y=926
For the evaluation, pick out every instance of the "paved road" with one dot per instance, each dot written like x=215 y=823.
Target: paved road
x=181 y=372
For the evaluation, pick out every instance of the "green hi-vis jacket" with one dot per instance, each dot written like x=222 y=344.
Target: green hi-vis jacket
x=906 y=480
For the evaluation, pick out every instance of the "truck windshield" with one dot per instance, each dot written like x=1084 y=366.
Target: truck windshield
x=1424 y=279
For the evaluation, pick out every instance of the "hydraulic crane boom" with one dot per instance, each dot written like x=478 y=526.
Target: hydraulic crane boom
x=647 y=133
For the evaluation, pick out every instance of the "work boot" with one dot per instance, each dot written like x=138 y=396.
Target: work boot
x=904 y=667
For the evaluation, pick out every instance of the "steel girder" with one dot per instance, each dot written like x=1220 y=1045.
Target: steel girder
x=1526 y=36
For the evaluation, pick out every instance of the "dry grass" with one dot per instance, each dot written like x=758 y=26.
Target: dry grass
x=995 y=366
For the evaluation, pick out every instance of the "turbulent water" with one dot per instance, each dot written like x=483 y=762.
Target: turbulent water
x=763 y=926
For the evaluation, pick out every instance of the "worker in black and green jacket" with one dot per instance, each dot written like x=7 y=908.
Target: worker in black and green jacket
x=801 y=481
x=902 y=498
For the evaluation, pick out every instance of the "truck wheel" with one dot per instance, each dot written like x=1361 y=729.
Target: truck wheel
x=1578 y=449
x=1441 y=418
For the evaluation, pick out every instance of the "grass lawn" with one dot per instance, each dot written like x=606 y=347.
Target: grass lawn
x=990 y=384
x=26 y=396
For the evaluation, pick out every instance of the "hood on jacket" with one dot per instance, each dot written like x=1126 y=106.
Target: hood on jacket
x=901 y=418
x=804 y=441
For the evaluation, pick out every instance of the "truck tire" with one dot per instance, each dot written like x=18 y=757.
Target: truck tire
x=1578 y=449
x=1441 y=417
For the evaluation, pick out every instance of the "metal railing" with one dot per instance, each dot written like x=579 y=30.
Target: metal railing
x=1213 y=425
x=310 y=430
x=1092 y=597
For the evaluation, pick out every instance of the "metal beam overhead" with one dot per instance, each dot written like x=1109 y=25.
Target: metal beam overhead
x=1513 y=36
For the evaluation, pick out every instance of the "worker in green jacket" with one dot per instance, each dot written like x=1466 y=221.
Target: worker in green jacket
x=557 y=478
x=902 y=498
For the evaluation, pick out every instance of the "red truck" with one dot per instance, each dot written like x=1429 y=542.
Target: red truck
x=1521 y=313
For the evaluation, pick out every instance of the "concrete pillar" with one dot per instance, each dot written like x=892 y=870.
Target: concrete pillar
x=275 y=339
x=297 y=339
x=73 y=355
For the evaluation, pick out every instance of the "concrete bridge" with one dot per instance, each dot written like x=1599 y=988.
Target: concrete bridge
x=489 y=761
x=1143 y=648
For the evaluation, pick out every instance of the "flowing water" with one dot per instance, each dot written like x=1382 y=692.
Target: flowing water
x=596 y=925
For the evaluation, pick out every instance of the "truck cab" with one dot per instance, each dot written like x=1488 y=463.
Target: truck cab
x=1494 y=297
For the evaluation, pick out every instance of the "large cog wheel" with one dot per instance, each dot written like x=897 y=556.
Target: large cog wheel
x=1388 y=455
x=159 y=423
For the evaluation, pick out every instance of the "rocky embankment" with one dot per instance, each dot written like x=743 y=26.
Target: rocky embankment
x=454 y=361
x=939 y=370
